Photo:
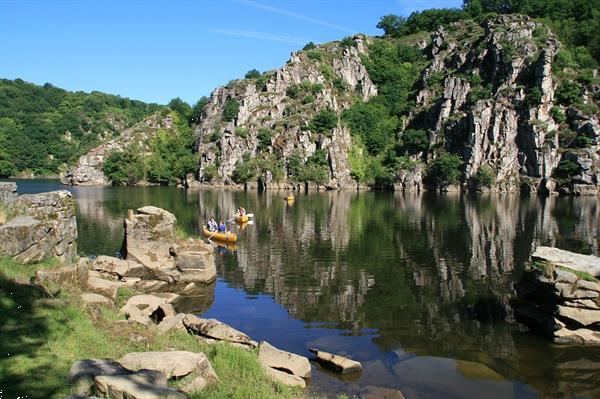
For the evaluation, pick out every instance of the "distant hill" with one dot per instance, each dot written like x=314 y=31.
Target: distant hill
x=44 y=128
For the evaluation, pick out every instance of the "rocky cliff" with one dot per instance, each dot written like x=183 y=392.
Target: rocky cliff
x=88 y=170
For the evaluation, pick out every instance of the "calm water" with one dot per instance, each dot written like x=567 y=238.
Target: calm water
x=416 y=287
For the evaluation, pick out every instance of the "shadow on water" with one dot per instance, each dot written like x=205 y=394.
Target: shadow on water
x=23 y=330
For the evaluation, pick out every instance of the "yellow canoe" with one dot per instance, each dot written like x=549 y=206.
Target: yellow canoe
x=241 y=219
x=224 y=237
x=289 y=198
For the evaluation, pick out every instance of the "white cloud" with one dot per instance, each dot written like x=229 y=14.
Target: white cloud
x=260 y=35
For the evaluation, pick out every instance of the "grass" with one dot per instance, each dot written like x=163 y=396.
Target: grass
x=43 y=337
x=546 y=267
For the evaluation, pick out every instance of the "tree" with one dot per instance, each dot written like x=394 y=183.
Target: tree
x=444 y=170
x=392 y=25
x=484 y=177
x=414 y=141
x=124 y=167
x=180 y=106
x=252 y=74
x=324 y=121
x=231 y=109
x=197 y=109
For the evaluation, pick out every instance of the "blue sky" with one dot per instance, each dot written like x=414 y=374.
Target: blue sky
x=157 y=50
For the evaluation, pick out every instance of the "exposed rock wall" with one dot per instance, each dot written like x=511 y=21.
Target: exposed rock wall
x=88 y=170
x=45 y=227
x=271 y=107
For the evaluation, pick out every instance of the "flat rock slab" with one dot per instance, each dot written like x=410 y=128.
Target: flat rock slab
x=136 y=386
x=338 y=363
x=92 y=299
x=172 y=323
x=275 y=358
x=174 y=364
x=214 y=329
x=104 y=287
x=583 y=263
x=577 y=337
x=585 y=317
x=63 y=275
x=285 y=378
x=82 y=373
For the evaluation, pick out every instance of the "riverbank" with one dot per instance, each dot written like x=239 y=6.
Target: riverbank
x=46 y=329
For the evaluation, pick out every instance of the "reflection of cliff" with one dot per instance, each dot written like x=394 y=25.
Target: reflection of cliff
x=433 y=275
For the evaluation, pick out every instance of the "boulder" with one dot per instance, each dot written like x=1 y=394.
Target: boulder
x=104 y=287
x=214 y=329
x=196 y=266
x=584 y=317
x=120 y=267
x=288 y=362
x=172 y=323
x=285 y=378
x=338 y=363
x=583 y=263
x=581 y=336
x=8 y=192
x=175 y=364
x=82 y=373
x=76 y=275
x=145 y=309
x=92 y=299
x=141 y=385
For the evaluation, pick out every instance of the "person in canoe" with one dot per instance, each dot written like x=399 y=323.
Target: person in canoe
x=212 y=224
x=241 y=211
x=222 y=227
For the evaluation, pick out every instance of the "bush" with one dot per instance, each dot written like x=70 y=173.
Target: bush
x=372 y=123
x=340 y=84
x=124 y=167
x=534 y=97
x=214 y=136
x=293 y=91
x=327 y=71
x=210 y=172
x=309 y=46
x=241 y=132
x=348 y=41
x=252 y=74
x=558 y=115
x=315 y=55
x=414 y=141
x=566 y=136
x=243 y=171
x=568 y=93
x=484 y=177
x=582 y=142
x=567 y=168
x=479 y=93
x=264 y=138
x=324 y=121
x=231 y=109
x=445 y=170
x=309 y=98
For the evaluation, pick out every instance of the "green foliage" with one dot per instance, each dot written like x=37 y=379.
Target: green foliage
x=309 y=98
x=264 y=139
x=358 y=161
x=479 y=93
x=340 y=84
x=392 y=25
x=293 y=91
x=253 y=74
x=414 y=141
x=484 y=177
x=123 y=295
x=582 y=142
x=324 y=121
x=210 y=172
x=215 y=136
x=566 y=136
x=231 y=109
x=568 y=93
x=196 y=111
x=427 y=20
x=372 y=123
x=316 y=55
x=534 y=97
x=558 y=115
x=295 y=164
x=243 y=171
x=566 y=168
x=44 y=127
x=180 y=106
x=315 y=169
x=241 y=132
x=124 y=167
x=309 y=46
x=327 y=71
x=348 y=41
x=444 y=170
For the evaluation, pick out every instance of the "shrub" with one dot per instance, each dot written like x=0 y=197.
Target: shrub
x=252 y=74
x=124 y=167
x=210 y=172
x=309 y=98
x=241 y=132
x=214 y=136
x=340 y=84
x=582 y=142
x=479 y=93
x=484 y=177
x=295 y=164
x=316 y=55
x=293 y=91
x=566 y=136
x=309 y=46
x=264 y=138
x=243 y=171
x=567 y=168
x=327 y=71
x=348 y=41
x=568 y=93
x=324 y=121
x=316 y=88
x=558 y=114
x=445 y=170
x=414 y=141
x=231 y=109
x=534 y=97
x=408 y=53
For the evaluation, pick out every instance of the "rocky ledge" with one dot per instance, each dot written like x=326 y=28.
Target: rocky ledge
x=37 y=227
x=559 y=296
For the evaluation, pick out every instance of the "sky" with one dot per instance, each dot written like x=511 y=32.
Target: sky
x=157 y=50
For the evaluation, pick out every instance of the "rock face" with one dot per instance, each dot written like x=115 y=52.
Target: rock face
x=555 y=301
x=8 y=192
x=46 y=227
x=150 y=242
x=88 y=170
x=279 y=108
x=338 y=363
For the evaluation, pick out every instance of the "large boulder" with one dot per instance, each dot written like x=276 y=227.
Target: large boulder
x=105 y=287
x=8 y=192
x=144 y=384
x=278 y=359
x=146 y=309
x=45 y=228
x=120 y=267
x=82 y=373
x=341 y=364
x=175 y=364
x=583 y=263
x=75 y=275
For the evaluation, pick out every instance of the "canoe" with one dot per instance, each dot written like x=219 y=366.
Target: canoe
x=241 y=219
x=224 y=237
x=289 y=198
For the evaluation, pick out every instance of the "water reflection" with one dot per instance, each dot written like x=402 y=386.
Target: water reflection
x=414 y=286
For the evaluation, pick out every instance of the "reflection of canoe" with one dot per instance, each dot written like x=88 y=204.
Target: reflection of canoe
x=241 y=219
x=289 y=198
x=230 y=246
x=224 y=237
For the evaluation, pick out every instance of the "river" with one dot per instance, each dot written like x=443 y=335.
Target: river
x=416 y=287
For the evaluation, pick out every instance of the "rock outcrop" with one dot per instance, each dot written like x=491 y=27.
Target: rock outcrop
x=277 y=361
x=88 y=170
x=560 y=298
x=45 y=227
x=338 y=363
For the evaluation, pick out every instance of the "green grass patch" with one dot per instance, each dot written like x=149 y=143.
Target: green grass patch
x=42 y=338
x=546 y=268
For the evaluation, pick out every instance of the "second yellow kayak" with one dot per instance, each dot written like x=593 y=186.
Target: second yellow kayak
x=224 y=237
x=241 y=219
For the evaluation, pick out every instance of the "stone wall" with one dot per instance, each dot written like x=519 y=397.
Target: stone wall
x=44 y=227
